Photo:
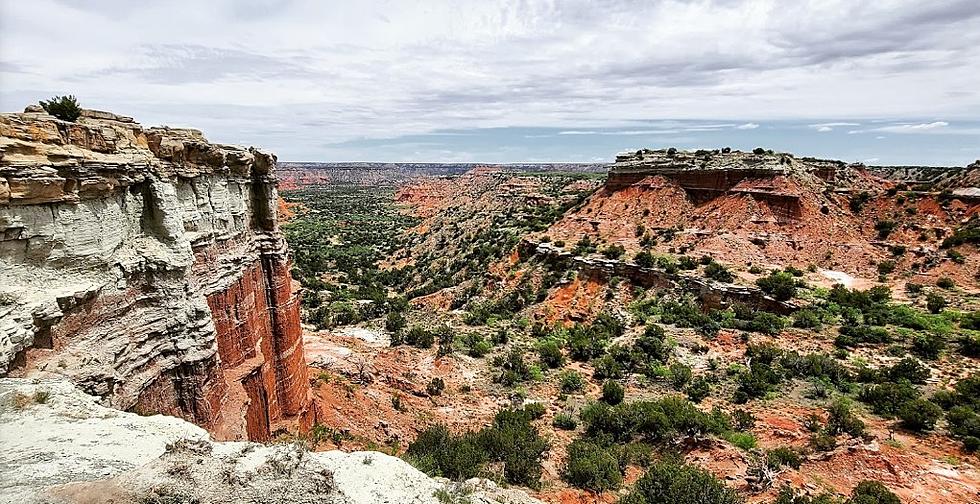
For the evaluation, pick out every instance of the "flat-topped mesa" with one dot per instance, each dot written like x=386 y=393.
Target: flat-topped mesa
x=707 y=174
x=146 y=264
x=714 y=170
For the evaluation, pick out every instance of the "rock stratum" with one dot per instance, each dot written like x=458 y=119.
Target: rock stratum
x=67 y=449
x=146 y=265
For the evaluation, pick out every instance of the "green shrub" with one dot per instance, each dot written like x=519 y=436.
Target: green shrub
x=660 y=420
x=929 y=345
x=653 y=344
x=698 y=390
x=515 y=442
x=476 y=345
x=419 y=337
x=872 y=492
x=570 y=381
x=687 y=263
x=854 y=335
x=963 y=422
x=970 y=321
x=784 y=456
x=438 y=453
x=908 y=369
x=550 y=353
x=535 y=410
x=644 y=259
x=394 y=322
x=63 y=107
x=592 y=467
x=510 y=439
x=756 y=382
x=564 y=421
x=935 y=303
x=513 y=368
x=718 y=273
x=778 y=284
x=886 y=267
x=679 y=483
x=823 y=441
x=612 y=392
x=945 y=283
x=920 y=415
x=586 y=342
x=743 y=419
x=884 y=228
x=841 y=419
x=680 y=375
x=807 y=318
x=969 y=345
x=887 y=398
x=446 y=337
x=744 y=440
x=435 y=387
x=614 y=251
x=767 y=323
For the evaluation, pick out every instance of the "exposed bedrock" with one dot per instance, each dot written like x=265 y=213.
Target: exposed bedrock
x=146 y=265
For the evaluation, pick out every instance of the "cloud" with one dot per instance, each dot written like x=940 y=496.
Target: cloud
x=747 y=126
x=300 y=74
x=913 y=128
x=917 y=128
x=824 y=129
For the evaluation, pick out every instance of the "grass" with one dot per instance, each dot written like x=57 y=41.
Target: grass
x=22 y=401
x=744 y=440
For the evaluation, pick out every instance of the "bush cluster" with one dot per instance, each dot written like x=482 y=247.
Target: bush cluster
x=511 y=440
x=679 y=483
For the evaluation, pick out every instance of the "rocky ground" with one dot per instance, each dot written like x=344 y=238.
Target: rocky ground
x=60 y=446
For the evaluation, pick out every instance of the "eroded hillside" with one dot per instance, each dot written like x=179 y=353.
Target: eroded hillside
x=789 y=325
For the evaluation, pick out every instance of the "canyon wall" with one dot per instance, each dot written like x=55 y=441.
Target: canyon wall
x=146 y=265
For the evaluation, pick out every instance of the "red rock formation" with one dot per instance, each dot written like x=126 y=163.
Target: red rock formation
x=147 y=265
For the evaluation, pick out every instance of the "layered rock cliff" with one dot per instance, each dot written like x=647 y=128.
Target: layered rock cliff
x=146 y=265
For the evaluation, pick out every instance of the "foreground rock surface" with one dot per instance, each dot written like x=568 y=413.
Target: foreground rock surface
x=60 y=446
x=146 y=264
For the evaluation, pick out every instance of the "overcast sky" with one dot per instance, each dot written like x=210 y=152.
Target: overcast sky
x=883 y=81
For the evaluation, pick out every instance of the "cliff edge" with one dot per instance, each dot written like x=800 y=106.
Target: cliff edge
x=146 y=265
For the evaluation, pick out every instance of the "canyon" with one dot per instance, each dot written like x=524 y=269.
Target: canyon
x=184 y=321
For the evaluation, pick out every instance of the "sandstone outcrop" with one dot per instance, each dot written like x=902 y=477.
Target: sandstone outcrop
x=61 y=447
x=146 y=265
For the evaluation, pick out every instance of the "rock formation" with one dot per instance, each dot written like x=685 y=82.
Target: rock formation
x=146 y=265
x=61 y=447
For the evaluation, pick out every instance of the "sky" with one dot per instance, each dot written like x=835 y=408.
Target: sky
x=881 y=82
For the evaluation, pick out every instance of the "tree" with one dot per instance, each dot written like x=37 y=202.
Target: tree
x=612 y=392
x=920 y=415
x=872 y=492
x=780 y=285
x=935 y=303
x=679 y=483
x=63 y=107
x=592 y=467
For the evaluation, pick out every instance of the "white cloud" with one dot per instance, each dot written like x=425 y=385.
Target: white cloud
x=829 y=126
x=293 y=75
x=914 y=128
x=747 y=126
x=908 y=128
